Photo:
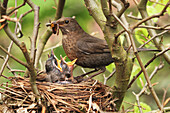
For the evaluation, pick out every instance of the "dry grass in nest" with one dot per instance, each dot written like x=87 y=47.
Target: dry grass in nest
x=84 y=97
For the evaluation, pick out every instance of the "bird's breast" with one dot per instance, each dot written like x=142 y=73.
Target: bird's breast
x=69 y=46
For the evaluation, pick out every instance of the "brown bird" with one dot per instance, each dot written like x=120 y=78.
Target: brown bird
x=91 y=52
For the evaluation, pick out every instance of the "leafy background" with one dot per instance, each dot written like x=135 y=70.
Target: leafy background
x=77 y=8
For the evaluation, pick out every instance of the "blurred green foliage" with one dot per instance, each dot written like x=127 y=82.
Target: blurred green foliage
x=145 y=108
x=77 y=8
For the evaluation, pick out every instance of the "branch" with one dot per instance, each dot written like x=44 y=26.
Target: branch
x=35 y=29
x=150 y=61
x=157 y=68
x=133 y=17
x=153 y=27
x=153 y=38
x=107 y=78
x=7 y=65
x=23 y=48
x=10 y=55
x=44 y=38
x=95 y=11
x=140 y=63
x=144 y=88
x=122 y=62
x=6 y=59
x=120 y=7
x=123 y=9
x=138 y=102
x=17 y=8
x=60 y=8
x=22 y=15
x=142 y=9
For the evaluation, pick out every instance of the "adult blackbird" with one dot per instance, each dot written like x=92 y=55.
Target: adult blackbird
x=91 y=52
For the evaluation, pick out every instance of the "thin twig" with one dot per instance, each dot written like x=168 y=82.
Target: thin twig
x=17 y=8
x=153 y=27
x=53 y=47
x=153 y=38
x=164 y=95
x=157 y=68
x=107 y=78
x=35 y=29
x=138 y=102
x=4 y=76
x=133 y=17
x=6 y=59
x=144 y=88
x=16 y=70
x=157 y=2
x=151 y=17
x=142 y=10
x=150 y=61
x=13 y=57
x=23 y=15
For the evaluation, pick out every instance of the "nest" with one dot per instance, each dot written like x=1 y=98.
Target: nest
x=83 y=97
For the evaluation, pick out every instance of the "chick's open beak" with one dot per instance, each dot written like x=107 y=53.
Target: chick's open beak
x=72 y=62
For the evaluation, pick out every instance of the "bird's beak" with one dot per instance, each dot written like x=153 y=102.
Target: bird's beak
x=54 y=26
x=72 y=62
x=58 y=65
x=63 y=59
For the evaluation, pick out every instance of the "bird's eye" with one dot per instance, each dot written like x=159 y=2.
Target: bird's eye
x=66 y=21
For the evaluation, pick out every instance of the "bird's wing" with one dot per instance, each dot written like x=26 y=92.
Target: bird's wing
x=90 y=45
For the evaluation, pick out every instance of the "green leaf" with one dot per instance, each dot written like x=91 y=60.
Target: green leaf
x=154 y=8
x=141 y=35
x=110 y=67
x=146 y=107
x=135 y=70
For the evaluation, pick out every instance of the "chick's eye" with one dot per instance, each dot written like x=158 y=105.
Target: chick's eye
x=66 y=21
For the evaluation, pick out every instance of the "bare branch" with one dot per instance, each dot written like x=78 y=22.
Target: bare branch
x=144 y=88
x=133 y=17
x=60 y=8
x=123 y=19
x=6 y=59
x=138 y=102
x=157 y=2
x=95 y=11
x=10 y=55
x=150 y=61
x=140 y=63
x=153 y=27
x=23 y=48
x=22 y=15
x=153 y=38
x=157 y=68
x=142 y=9
x=17 y=8
x=35 y=29
x=107 y=78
